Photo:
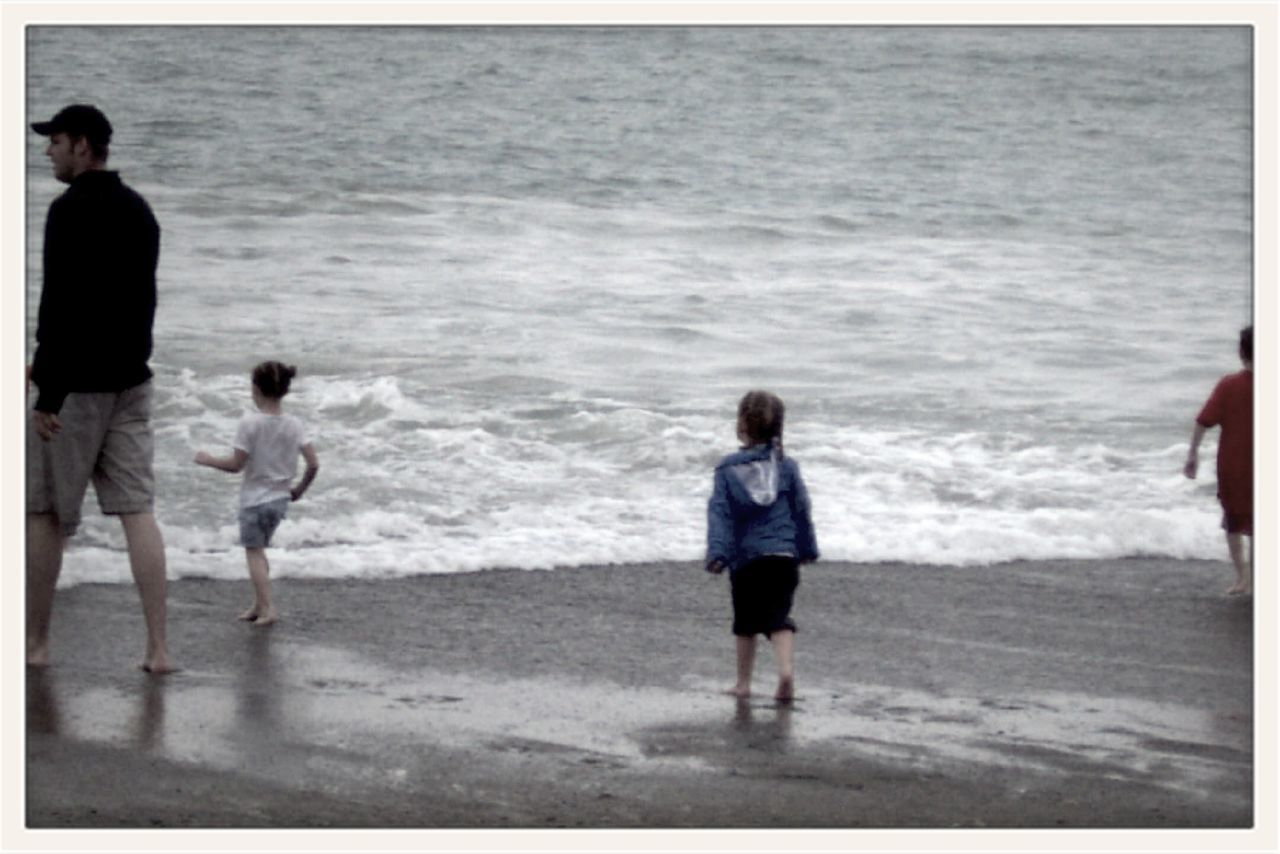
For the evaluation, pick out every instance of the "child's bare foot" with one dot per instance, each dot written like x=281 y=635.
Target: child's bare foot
x=266 y=619
x=157 y=666
x=250 y=615
x=1238 y=588
x=786 y=690
x=739 y=691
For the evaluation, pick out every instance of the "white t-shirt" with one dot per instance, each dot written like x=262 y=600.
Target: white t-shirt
x=273 y=443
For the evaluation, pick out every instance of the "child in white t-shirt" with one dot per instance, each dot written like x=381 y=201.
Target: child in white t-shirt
x=266 y=449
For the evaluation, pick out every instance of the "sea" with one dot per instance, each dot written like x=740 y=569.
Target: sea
x=526 y=274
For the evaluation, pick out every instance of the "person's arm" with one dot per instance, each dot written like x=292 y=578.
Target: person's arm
x=232 y=463
x=806 y=539
x=1210 y=416
x=59 y=319
x=313 y=466
x=1193 y=453
x=46 y=423
x=719 y=526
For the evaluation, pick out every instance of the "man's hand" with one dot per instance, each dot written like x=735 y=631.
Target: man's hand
x=47 y=424
x=1193 y=462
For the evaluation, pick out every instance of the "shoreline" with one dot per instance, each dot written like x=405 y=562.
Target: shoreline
x=1031 y=695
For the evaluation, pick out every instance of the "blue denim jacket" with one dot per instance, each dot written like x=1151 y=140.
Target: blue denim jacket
x=759 y=506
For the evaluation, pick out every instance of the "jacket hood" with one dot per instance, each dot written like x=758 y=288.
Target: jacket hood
x=756 y=473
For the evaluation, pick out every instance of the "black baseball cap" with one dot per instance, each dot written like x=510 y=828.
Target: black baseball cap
x=83 y=120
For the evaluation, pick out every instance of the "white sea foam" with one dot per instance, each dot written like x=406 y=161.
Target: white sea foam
x=580 y=488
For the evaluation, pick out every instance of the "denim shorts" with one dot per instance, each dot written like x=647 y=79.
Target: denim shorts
x=259 y=522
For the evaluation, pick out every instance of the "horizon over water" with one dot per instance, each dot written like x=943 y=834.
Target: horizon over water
x=526 y=274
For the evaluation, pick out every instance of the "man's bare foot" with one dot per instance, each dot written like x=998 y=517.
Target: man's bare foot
x=250 y=615
x=38 y=655
x=740 y=692
x=1238 y=589
x=266 y=619
x=786 y=690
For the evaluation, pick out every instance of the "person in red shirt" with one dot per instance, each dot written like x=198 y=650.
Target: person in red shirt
x=1231 y=408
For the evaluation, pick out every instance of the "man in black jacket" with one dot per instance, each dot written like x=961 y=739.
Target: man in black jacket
x=91 y=420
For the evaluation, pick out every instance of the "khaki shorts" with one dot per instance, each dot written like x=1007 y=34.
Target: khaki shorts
x=105 y=437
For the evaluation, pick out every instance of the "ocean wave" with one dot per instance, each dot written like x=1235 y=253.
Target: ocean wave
x=839 y=224
x=396 y=544
x=564 y=486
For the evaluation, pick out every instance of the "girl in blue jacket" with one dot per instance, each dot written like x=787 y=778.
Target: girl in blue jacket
x=759 y=528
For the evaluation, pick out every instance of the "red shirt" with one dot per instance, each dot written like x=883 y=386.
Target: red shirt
x=1231 y=408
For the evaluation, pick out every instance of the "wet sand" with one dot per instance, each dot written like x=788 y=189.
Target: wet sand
x=1092 y=694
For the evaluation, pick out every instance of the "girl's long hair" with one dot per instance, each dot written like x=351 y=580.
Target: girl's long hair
x=760 y=418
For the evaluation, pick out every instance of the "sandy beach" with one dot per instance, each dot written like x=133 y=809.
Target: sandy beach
x=1094 y=694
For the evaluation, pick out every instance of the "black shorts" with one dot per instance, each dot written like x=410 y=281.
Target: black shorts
x=762 y=592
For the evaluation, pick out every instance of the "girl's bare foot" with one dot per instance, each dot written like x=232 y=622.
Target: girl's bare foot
x=786 y=690
x=251 y=614
x=266 y=619
x=158 y=666
x=740 y=692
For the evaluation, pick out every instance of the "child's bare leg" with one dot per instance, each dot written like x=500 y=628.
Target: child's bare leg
x=251 y=613
x=746 y=648
x=263 y=613
x=1235 y=545
x=784 y=645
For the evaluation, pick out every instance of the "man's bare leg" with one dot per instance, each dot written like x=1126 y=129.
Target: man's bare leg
x=147 y=561
x=1235 y=545
x=44 y=564
x=746 y=655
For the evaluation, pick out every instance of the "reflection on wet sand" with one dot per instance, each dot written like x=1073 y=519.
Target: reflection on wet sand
x=258 y=688
x=137 y=718
x=768 y=731
x=42 y=702
x=279 y=710
x=1142 y=720
x=149 y=724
